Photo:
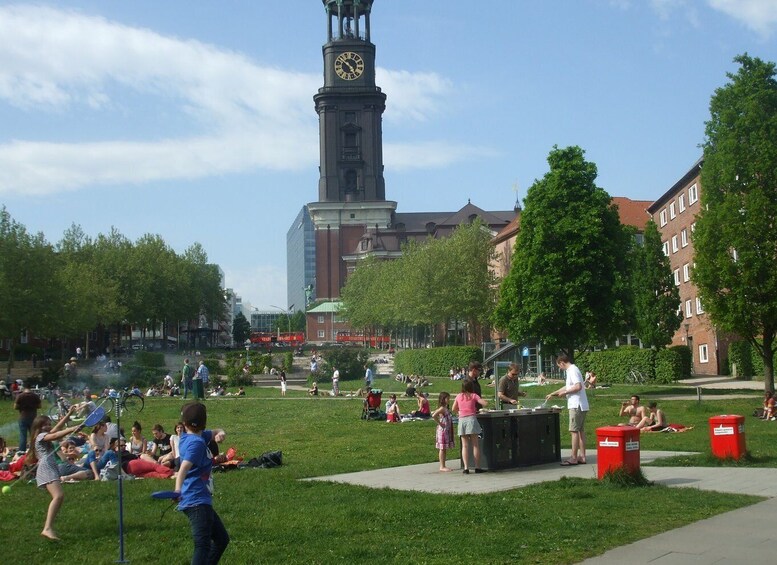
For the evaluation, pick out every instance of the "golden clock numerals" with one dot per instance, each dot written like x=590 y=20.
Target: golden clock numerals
x=349 y=65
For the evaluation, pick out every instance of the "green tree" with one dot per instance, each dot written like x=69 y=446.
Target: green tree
x=735 y=239
x=656 y=297
x=29 y=297
x=241 y=329
x=567 y=285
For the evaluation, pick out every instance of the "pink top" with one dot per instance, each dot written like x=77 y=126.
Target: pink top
x=467 y=406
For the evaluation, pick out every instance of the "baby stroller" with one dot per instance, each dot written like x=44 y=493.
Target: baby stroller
x=372 y=405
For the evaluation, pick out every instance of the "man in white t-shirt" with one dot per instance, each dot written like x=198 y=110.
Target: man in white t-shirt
x=336 y=382
x=577 y=404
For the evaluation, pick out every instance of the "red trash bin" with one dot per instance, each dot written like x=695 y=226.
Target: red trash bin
x=616 y=447
x=727 y=436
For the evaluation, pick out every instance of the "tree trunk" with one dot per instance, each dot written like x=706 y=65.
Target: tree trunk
x=768 y=359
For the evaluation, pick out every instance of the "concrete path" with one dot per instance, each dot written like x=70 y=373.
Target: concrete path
x=743 y=536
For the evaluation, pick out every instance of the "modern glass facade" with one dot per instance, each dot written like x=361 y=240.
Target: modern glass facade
x=300 y=260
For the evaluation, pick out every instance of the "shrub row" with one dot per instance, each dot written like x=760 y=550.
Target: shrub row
x=435 y=362
x=614 y=365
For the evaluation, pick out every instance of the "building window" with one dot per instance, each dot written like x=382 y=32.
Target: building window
x=321 y=334
x=699 y=309
x=734 y=254
x=686 y=272
x=677 y=277
x=703 y=353
x=681 y=202
x=693 y=194
x=674 y=244
x=688 y=311
x=665 y=248
x=672 y=212
x=320 y=318
x=684 y=237
x=663 y=217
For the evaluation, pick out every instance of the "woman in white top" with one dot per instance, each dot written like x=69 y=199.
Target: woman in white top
x=174 y=442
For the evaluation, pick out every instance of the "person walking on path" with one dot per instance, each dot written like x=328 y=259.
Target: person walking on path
x=187 y=376
x=577 y=404
x=368 y=376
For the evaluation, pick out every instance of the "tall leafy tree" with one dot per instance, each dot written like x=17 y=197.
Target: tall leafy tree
x=28 y=291
x=656 y=297
x=241 y=329
x=567 y=284
x=735 y=239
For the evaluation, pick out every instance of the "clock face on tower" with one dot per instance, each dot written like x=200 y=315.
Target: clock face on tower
x=349 y=65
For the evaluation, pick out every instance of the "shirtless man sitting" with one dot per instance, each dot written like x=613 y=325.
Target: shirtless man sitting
x=634 y=411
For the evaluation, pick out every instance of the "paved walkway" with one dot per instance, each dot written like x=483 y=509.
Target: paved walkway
x=743 y=536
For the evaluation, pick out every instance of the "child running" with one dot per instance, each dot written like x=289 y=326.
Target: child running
x=195 y=485
x=444 y=434
x=47 y=475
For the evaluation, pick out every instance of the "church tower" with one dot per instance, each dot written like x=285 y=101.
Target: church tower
x=351 y=189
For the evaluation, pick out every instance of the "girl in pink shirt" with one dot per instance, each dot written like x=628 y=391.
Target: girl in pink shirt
x=467 y=404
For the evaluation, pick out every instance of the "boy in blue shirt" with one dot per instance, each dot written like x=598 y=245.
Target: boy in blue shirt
x=195 y=485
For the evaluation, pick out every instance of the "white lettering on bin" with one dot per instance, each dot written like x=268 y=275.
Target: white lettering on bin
x=608 y=443
x=632 y=446
x=723 y=431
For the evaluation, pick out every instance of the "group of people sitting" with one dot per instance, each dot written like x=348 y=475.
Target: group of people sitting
x=423 y=410
x=646 y=419
x=96 y=457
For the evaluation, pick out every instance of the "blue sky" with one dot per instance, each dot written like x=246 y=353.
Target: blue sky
x=195 y=120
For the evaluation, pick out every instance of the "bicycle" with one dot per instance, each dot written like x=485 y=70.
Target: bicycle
x=128 y=401
x=635 y=377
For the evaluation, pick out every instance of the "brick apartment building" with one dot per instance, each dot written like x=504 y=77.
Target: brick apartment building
x=675 y=215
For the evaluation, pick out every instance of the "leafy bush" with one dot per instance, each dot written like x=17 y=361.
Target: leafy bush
x=669 y=365
x=236 y=377
x=614 y=365
x=288 y=361
x=435 y=362
x=748 y=362
x=686 y=363
x=148 y=359
x=349 y=361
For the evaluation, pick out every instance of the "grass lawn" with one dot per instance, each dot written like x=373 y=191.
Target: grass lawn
x=273 y=517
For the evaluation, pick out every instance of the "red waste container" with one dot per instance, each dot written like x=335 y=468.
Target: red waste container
x=727 y=436
x=616 y=447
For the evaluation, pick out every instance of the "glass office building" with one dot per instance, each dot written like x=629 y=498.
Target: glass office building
x=300 y=260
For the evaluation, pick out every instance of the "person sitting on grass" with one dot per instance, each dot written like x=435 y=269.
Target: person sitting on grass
x=633 y=410
x=655 y=421
x=313 y=390
x=392 y=410
x=590 y=379
x=424 y=411
x=768 y=409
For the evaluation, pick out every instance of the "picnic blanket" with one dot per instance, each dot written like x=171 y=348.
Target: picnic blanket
x=670 y=428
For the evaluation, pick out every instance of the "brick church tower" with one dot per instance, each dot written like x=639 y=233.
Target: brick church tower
x=351 y=190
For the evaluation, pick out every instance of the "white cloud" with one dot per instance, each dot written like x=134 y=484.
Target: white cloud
x=244 y=115
x=758 y=15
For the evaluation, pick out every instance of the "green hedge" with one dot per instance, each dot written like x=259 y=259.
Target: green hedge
x=614 y=365
x=435 y=362
x=747 y=359
x=686 y=362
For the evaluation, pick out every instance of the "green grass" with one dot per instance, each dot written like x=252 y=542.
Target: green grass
x=273 y=517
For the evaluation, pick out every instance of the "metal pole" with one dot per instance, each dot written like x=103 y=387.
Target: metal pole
x=120 y=482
